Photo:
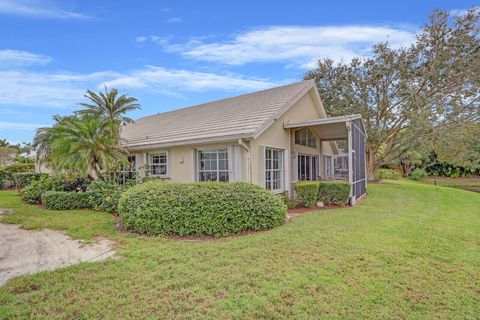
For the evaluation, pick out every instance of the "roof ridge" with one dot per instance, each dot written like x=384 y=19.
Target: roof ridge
x=225 y=99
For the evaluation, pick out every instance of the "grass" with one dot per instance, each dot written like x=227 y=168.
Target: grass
x=471 y=184
x=410 y=251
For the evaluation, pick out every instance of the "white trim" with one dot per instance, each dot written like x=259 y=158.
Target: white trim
x=194 y=165
x=314 y=122
x=282 y=169
x=229 y=161
x=167 y=164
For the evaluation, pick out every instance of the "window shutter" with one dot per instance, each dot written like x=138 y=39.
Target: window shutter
x=262 y=166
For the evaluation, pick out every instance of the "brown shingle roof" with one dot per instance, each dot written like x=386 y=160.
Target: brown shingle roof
x=237 y=117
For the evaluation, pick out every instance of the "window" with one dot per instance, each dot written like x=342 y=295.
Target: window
x=213 y=165
x=158 y=163
x=305 y=137
x=129 y=170
x=327 y=166
x=307 y=168
x=274 y=169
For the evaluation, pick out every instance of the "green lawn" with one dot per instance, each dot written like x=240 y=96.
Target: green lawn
x=409 y=251
x=471 y=184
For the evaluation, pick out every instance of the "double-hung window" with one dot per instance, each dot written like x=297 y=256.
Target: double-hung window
x=158 y=164
x=274 y=174
x=213 y=165
x=129 y=170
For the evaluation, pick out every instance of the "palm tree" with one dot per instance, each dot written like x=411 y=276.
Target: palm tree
x=109 y=107
x=84 y=147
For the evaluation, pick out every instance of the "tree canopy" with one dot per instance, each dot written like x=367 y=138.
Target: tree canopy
x=411 y=96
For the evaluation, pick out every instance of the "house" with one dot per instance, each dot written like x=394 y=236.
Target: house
x=273 y=138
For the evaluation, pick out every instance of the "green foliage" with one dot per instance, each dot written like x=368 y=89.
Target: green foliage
x=387 y=174
x=328 y=192
x=23 y=179
x=7 y=172
x=307 y=193
x=418 y=174
x=290 y=202
x=204 y=208
x=333 y=192
x=33 y=193
x=106 y=194
x=61 y=200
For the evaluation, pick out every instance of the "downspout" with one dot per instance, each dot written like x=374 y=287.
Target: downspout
x=249 y=160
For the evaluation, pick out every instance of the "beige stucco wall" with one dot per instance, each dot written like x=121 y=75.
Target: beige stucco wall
x=180 y=160
x=181 y=167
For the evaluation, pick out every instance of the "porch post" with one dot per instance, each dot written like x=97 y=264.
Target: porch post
x=350 y=159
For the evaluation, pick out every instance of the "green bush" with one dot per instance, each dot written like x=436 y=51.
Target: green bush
x=387 y=174
x=202 y=208
x=62 y=200
x=290 y=202
x=33 y=193
x=106 y=194
x=418 y=174
x=307 y=193
x=333 y=192
x=7 y=172
x=23 y=179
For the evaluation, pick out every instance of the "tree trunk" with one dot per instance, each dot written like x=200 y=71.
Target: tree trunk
x=372 y=166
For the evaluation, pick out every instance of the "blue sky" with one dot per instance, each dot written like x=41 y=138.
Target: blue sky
x=171 y=54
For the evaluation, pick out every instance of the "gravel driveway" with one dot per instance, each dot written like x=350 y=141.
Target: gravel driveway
x=31 y=251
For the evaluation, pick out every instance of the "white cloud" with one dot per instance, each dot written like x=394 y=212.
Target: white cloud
x=300 y=45
x=174 y=20
x=160 y=40
x=65 y=90
x=173 y=81
x=16 y=58
x=42 y=89
x=20 y=126
x=37 y=8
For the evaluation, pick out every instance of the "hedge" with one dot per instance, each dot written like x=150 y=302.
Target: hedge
x=106 y=194
x=202 y=208
x=307 y=193
x=333 y=192
x=23 y=179
x=33 y=193
x=387 y=174
x=328 y=192
x=62 y=200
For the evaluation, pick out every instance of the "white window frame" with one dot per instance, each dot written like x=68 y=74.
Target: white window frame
x=269 y=184
x=328 y=166
x=313 y=173
x=306 y=135
x=217 y=151
x=166 y=164
x=131 y=169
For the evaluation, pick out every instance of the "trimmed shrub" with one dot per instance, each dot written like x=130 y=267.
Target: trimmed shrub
x=62 y=200
x=333 y=192
x=291 y=203
x=418 y=174
x=307 y=193
x=388 y=174
x=33 y=193
x=106 y=194
x=23 y=179
x=7 y=172
x=202 y=208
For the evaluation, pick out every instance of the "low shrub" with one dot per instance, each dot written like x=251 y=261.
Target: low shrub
x=106 y=194
x=7 y=172
x=62 y=200
x=33 y=193
x=333 y=192
x=202 y=208
x=307 y=193
x=23 y=179
x=290 y=202
x=418 y=174
x=387 y=174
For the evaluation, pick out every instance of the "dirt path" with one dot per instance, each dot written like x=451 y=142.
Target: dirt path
x=30 y=251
